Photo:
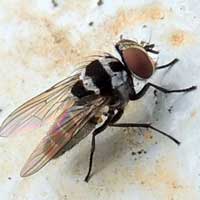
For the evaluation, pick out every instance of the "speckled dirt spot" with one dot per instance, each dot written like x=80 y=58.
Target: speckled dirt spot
x=100 y=2
x=54 y=3
x=6 y=170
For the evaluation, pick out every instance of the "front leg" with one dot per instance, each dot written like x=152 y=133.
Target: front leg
x=94 y=134
x=164 y=90
x=170 y=64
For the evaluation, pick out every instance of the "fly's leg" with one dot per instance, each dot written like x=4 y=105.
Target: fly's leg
x=146 y=125
x=149 y=48
x=164 y=90
x=94 y=134
x=91 y=158
x=117 y=116
x=170 y=64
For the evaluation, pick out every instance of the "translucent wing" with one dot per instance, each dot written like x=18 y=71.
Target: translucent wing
x=67 y=126
x=40 y=108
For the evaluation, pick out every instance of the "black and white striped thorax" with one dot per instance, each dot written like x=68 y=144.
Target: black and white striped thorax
x=105 y=76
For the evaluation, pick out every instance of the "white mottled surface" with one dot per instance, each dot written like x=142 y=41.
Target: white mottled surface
x=41 y=44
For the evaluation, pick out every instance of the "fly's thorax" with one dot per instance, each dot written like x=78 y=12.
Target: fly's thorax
x=120 y=79
x=105 y=76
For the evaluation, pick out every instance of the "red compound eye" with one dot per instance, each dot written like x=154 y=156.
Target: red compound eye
x=138 y=62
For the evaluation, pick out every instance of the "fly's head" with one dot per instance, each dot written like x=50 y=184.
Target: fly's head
x=136 y=58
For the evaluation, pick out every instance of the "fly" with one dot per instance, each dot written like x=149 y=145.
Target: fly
x=78 y=104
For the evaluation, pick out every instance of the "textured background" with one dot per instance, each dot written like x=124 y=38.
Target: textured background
x=43 y=41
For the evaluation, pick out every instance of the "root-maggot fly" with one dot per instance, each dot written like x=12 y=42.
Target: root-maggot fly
x=99 y=90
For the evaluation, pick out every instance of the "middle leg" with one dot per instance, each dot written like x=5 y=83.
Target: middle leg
x=111 y=117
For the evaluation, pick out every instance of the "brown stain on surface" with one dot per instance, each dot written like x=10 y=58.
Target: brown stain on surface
x=164 y=177
x=147 y=135
x=48 y=43
x=193 y=114
x=179 y=38
x=43 y=46
x=129 y=17
x=52 y=46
